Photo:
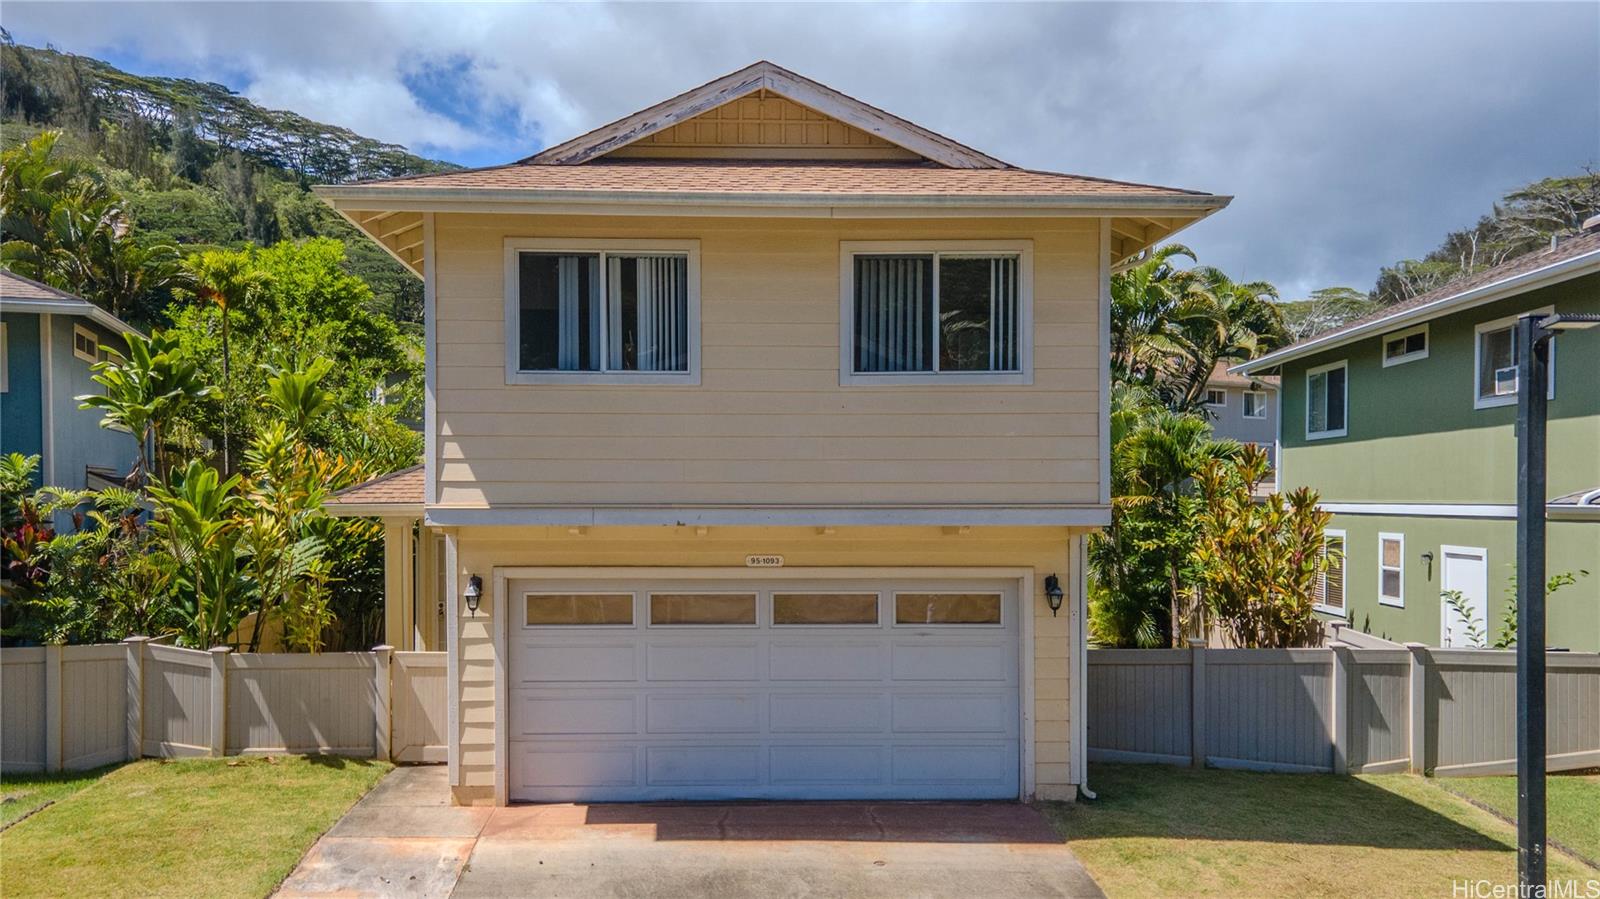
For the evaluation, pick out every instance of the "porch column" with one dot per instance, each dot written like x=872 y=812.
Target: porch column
x=399 y=620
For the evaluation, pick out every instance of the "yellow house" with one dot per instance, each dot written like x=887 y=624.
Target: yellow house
x=763 y=431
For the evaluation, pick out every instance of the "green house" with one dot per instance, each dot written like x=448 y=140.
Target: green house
x=1404 y=424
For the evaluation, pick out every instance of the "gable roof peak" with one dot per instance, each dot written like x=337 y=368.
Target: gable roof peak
x=769 y=76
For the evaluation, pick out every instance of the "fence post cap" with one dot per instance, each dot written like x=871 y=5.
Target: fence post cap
x=137 y=639
x=1335 y=644
x=1197 y=643
x=383 y=647
x=1414 y=646
x=220 y=649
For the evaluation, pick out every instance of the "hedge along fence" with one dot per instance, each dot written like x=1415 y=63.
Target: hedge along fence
x=1438 y=711
x=78 y=707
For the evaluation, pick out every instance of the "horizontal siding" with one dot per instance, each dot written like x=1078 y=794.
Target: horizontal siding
x=769 y=423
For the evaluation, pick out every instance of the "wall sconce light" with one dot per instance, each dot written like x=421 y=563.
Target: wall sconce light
x=474 y=594
x=1428 y=558
x=1053 y=593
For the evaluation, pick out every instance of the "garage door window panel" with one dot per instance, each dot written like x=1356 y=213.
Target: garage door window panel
x=703 y=609
x=971 y=609
x=578 y=609
x=825 y=609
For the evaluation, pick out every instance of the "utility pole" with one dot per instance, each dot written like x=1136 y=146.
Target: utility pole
x=1533 y=337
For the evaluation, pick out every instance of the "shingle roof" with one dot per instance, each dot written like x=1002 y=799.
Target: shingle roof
x=28 y=295
x=400 y=488
x=1221 y=377
x=15 y=287
x=786 y=177
x=1567 y=250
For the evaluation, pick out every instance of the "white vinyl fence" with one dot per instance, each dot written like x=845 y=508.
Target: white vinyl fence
x=1341 y=709
x=78 y=707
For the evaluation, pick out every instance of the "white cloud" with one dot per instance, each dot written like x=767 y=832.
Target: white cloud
x=1352 y=135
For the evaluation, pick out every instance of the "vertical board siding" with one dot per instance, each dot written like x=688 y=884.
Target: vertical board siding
x=1273 y=706
x=1138 y=705
x=22 y=709
x=1270 y=708
x=94 y=713
x=177 y=701
x=302 y=704
x=417 y=702
x=1379 y=708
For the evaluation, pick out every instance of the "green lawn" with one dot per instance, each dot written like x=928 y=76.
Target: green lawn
x=202 y=827
x=1572 y=806
x=23 y=793
x=1158 y=831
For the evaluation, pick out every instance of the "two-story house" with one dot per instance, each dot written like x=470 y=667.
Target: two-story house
x=49 y=339
x=763 y=428
x=1243 y=408
x=1404 y=423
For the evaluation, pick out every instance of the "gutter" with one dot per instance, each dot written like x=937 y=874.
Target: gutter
x=80 y=308
x=1555 y=273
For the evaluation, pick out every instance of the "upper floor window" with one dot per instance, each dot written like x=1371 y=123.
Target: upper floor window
x=1255 y=404
x=85 y=344
x=1405 y=346
x=1216 y=398
x=1327 y=394
x=952 y=312
x=602 y=312
x=1496 y=362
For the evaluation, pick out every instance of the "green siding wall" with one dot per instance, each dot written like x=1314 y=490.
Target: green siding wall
x=1414 y=435
x=1573 y=613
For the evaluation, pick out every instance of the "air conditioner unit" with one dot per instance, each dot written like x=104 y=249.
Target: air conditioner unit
x=1505 y=381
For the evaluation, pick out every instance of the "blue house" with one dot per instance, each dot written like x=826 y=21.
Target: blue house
x=48 y=341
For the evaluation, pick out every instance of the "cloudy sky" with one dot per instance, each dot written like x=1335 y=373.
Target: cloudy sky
x=1351 y=135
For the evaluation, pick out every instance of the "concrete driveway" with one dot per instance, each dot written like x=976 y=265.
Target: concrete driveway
x=404 y=839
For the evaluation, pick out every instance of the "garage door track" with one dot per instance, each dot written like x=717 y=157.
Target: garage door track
x=404 y=839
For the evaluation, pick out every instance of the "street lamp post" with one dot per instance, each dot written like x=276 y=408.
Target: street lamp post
x=1533 y=378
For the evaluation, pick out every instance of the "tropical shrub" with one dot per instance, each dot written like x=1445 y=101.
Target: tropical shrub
x=1259 y=562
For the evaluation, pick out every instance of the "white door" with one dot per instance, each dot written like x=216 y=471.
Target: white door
x=635 y=690
x=1465 y=570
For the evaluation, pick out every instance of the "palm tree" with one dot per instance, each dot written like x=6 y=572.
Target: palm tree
x=1142 y=298
x=142 y=390
x=1215 y=319
x=1160 y=459
x=228 y=280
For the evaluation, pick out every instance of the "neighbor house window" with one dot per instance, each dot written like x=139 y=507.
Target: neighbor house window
x=85 y=344
x=1391 y=569
x=1496 y=362
x=1255 y=404
x=1405 y=346
x=608 y=311
x=1218 y=398
x=1327 y=394
x=956 y=312
x=1330 y=585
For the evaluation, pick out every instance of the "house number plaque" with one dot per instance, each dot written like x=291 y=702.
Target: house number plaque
x=763 y=561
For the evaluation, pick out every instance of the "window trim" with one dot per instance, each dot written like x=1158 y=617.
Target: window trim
x=1403 y=358
x=1478 y=330
x=1317 y=603
x=517 y=245
x=1244 y=407
x=1398 y=602
x=1341 y=432
x=80 y=330
x=849 y=249
x=1221 y=390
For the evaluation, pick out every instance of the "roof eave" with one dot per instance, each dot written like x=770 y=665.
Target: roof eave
x=1555 y=273
x=78 y=307
x=373 y=510
x=424 y=199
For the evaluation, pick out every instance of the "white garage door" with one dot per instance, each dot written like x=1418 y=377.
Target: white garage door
x=762 y=689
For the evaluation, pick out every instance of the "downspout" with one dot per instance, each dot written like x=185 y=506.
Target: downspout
x=1080 y=654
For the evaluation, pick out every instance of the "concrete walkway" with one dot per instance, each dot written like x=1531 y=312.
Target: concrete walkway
x=404 y=839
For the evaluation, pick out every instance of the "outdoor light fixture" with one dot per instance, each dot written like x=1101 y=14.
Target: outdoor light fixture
x=1052 y=592
x=1428 y=558
x=474 y=594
